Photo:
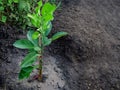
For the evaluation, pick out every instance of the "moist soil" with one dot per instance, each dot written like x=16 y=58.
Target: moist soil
x=87 y=59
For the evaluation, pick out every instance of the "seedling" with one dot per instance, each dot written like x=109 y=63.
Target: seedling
x=38 y=39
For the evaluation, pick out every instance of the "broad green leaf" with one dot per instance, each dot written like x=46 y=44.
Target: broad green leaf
x=4 y=18
x=58 y=35
x=35 y=35
x=29 y=59
x=1 y=8
x=29 y=36
x=48 y=17
x=23 y=44
x=48 y=9
x=47 y=12
x=25 y=72
x=49 y=28
x=46 y=41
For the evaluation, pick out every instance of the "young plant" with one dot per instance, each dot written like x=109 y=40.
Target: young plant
x=38 y=39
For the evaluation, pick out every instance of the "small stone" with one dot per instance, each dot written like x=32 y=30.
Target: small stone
x=62 y=78
x=58 y=86
x=55 y=69
x=38 y=86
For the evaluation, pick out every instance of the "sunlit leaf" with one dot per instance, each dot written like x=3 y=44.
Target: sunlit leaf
x=35 y=35
x=48 y=9
x=29 y=36
x=35 y=19
x=37 y=9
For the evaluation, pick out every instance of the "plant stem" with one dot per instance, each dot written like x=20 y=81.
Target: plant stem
x=40 y=69
x=41 y=53
x=40 y=59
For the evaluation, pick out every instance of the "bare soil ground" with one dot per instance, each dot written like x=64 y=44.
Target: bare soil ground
x=87 y=59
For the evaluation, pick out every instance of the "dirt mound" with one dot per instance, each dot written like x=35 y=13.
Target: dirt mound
x=87 y=59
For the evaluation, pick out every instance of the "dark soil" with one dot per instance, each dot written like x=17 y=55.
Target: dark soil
x=87 y=59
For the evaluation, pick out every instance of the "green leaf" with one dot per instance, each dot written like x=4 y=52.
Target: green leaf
x=29 y=36
x=47 y=11
x=1 y=2
x=22 y=5
x=28 y=6
x=37 y=49
x=29 y=59
x=25 y=72
x=49 y=28
x=40 y=3
x=35 y=19
x=32 y=18
x=48 y=17
x=52 y=1
x=58 y=35
x=48 y=8
x=1 y=8
x=30 y=50
x=23 y=44
x=36 y=66
x=46 y=41
x=37 y=9
x=10 y=1
x=35 y=35
x=59 y=4
x=4 y=18
x=15 y=1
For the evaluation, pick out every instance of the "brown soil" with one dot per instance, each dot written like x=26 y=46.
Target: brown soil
x=87 y=59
